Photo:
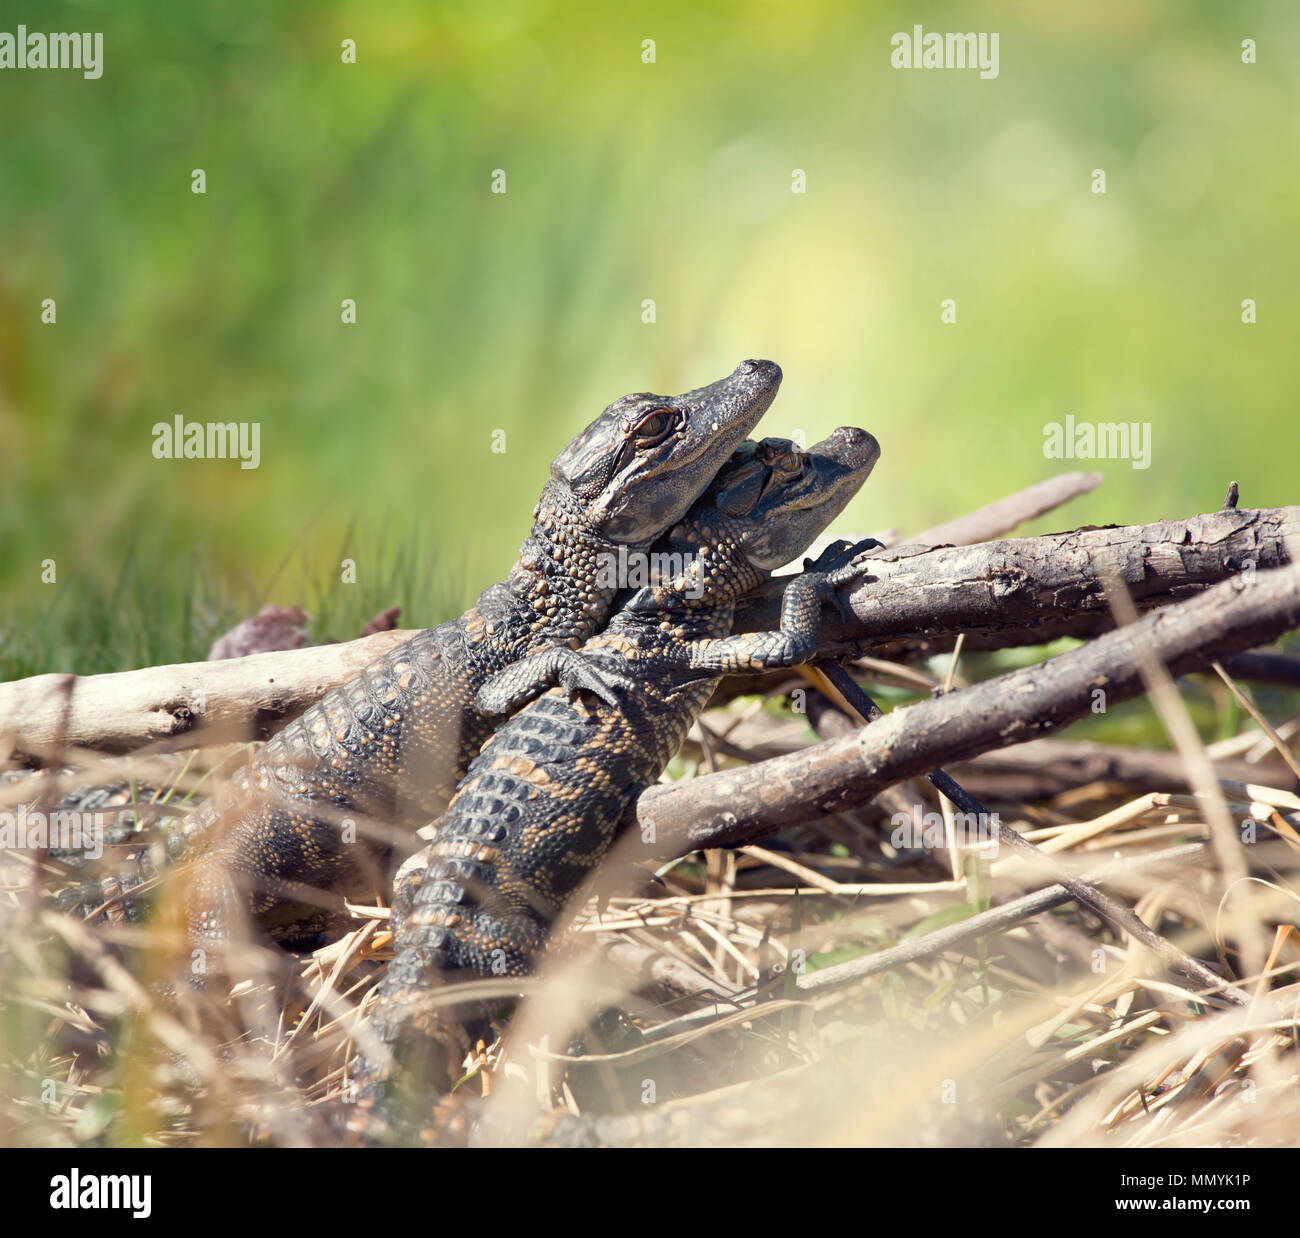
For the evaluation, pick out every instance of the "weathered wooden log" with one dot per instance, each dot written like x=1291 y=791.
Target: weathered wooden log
x=1026 y=591
x=177 y=706
x=1011 y=592
x=737 y=806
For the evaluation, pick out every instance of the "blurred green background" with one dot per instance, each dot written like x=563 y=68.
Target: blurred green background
x=522 y=312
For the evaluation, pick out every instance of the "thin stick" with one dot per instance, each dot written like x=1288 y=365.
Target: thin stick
x=1264 y=725
x=1121 y=918
x=985 y=924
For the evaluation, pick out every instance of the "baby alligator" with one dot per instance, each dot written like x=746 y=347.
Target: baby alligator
x=390 y=745
x=543 y=801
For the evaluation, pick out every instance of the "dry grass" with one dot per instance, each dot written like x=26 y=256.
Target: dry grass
x=721 y=1004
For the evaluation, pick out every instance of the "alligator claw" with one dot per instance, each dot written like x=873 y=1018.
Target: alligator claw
x=831 y=557
x=578 y=676
x=850 y=571
x=841 y=554
x=863 y=548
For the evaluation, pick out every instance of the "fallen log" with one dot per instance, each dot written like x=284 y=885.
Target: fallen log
x=1027 y=591
x=178 y=706
x=1010 y=592
x=738 y=806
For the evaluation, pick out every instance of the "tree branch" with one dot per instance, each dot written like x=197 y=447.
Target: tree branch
x=1025 y=591
x=738 y=806
x=177 y=706
x=986 y=923
x=1011 y=592
x=1121 y=918
x=998 y=518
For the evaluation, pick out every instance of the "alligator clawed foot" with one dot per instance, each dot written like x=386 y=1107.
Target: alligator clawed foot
x=844 y=564
x=841 y=555
x=611 y=687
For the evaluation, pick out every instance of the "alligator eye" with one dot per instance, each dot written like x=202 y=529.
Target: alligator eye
x=654 y=427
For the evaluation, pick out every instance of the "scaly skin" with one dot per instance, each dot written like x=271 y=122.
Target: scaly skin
x=390 y=745
x=136 y=821
x=543 y=801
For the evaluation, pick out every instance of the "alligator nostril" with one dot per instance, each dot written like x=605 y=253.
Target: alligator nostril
x=756 y=367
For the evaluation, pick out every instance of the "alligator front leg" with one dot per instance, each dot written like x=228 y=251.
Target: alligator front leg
x=839 y=565
x=514 y=687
